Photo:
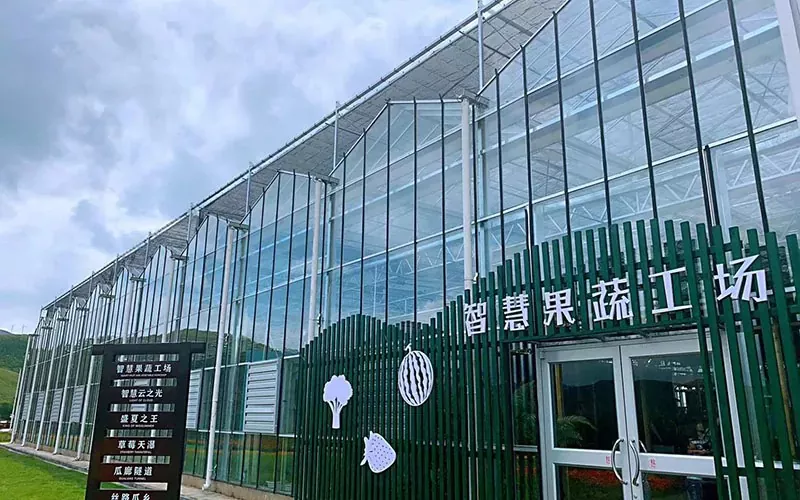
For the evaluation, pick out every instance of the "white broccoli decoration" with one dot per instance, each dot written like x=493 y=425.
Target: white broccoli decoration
x=337 y=393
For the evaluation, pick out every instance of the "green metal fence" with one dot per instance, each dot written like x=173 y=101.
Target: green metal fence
x=460 y=443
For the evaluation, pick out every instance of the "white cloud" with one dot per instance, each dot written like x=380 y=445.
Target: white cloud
x=188 y=90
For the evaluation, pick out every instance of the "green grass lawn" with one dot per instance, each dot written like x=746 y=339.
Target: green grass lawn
x=31 y=479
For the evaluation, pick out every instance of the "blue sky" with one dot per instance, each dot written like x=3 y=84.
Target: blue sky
x=116 y=115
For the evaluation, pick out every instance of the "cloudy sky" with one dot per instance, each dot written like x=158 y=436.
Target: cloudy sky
x=116 y=115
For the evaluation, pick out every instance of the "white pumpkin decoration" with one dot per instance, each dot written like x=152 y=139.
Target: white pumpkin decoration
x=415 y=377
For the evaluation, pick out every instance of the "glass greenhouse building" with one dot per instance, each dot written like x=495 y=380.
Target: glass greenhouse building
x=585 y=213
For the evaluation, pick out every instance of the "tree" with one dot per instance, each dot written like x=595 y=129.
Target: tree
x=337 y=394
x=5 y=411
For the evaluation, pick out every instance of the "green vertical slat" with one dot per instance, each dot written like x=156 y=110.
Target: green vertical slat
x=496 y=318
x=558 y=277
x=644 y=263
x=424 y=415
x=482 y=385
x=535 y=282
x=710 y=392
x=384 y=480
x=339 y=436
x=469 y=422
x=435 y=414
x=323 y=418
x=779 y=420
x=374 y=410
x=787 y=338
x=403 y=411
x=396 y=415
x=333 y=450
x=340 y=463
x=354 y=373
x=547 y=281
x=398 y=337
x=579 y=300
x=534 y=316
x=616 y=259
x=616 y=254
x=420 y=422
x=658 y=260
x=633 y=276
x=761 y=399
x=452 y=393
x=325 y=479
x=591 y=257
x=569 y=276
x=387 y=479
x=605 y=270
x=740 y=389
x=602 y=253
x=441 y=397
x=504 y=378
x=359 y=393
x=726 y=425
x=519 y=289
x=761 y=394
x=458 y=415
x=430 y=427
x=308 y=416
x=314 y=464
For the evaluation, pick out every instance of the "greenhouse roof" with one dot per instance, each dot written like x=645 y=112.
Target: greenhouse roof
x=447 y=68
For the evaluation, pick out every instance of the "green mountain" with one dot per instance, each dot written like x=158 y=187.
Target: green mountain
x=12 y=351
x=12 y=355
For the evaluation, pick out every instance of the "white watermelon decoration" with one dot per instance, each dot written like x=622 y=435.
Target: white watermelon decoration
x=378 y=453
x=415 y=377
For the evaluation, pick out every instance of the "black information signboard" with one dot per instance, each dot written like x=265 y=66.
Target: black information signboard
x=141 y=418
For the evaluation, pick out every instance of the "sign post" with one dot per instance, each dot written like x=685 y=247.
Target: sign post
x=140 y=428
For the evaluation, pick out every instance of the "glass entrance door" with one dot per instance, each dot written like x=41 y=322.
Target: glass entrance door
x=625 y=421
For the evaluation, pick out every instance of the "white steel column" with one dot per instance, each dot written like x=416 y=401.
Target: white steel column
x=77 y=328
x=223 y=311
x=168 y=326
x=126 y=312
x=466 y=199
x=59 y=329
x=480 y=44
x=20 y=397
x=136 y=306
x=312 y=306
x=788 y=12
x=40 y=346
x=87 y=392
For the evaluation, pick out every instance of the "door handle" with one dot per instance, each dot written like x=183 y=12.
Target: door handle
x=614 y=461
x=635 y=479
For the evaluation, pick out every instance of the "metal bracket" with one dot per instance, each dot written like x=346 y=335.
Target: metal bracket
x=477 y=100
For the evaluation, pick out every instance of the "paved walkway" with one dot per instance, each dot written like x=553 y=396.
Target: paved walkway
x=187 y=493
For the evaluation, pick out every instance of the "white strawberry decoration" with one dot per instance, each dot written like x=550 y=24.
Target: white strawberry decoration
x=378 y=453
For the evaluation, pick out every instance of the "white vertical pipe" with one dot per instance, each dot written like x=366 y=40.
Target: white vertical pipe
x=36 y=363
x=57 y=331
x=165 y=334
x=466 y=199
x=312 y=306
x=335 y=136
x=480 y=44
x=20 y=397
x=72 y=335
x=223 y=311
x=104 y=313
x=126 y=315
